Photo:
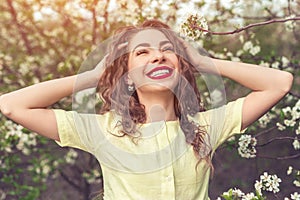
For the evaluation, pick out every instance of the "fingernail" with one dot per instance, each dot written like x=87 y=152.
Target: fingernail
x=122 y=45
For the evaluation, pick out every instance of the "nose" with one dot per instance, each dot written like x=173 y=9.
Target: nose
x=158 y=56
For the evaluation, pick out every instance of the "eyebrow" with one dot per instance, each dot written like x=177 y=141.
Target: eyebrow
x=148 y=44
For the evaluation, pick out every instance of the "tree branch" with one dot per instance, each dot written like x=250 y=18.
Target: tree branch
x=272 y=21
x=94 y=13
x=276 y=138
x=19 y=26
x=280 y=158
x=105 y=15
x=66 y=178
x=265 y=131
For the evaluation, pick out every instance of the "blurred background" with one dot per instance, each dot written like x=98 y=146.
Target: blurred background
x=46 y=39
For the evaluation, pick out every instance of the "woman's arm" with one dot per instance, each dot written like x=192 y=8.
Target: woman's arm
x=28 y=106
x=268 y=86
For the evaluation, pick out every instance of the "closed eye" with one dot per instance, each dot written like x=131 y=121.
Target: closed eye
x=141 y=51
x=168 y=48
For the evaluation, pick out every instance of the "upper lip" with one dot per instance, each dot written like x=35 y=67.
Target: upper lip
x=159 y=68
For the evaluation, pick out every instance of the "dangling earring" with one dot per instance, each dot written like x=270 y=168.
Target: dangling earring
x=130 y=84
x=130 y=88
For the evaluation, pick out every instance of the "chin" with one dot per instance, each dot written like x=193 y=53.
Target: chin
x=161 y=87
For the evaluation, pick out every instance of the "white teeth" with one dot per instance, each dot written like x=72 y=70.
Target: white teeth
x=160 y=72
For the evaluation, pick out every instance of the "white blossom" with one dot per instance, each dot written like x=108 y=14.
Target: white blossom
x=46 y=169
x=8 y=149
x=231 y=139
x=275 y=65
x=290 y=170
x=252 y=49
x=265 y=177
x=26 y=151
x=190 y=25
x=13 y=129
x=237 y=192
x=285 y=61
x=71 y=156
x=258 y=186
x=289 y=122
x=296 y=144
x=295 y=196
x=270 y=183
x=246 y=147
x=266 y=119
x=255 y=50
x=247 y=46
x=239 y=53
x=92 y=176
x=286 y=110
x=290 y=25
x=298 y=130
x=280 y=126
x=235 y=59
x=24 y=68
x=296 y=183
x=249 y=196
x=241 y=38
x=264 y=64
x=291 y=117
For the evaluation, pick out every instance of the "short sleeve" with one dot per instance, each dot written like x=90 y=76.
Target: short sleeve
x=222 y=123
x=84 y=131
x=232 y=122
x=68 y=133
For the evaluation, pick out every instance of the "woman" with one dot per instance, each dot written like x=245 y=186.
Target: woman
x=152 y=137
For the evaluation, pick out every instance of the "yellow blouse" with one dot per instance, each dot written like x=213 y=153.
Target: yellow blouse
x=158 y=164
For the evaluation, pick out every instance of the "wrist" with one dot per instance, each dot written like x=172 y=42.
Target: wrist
x=208 y=65
x=86 y=80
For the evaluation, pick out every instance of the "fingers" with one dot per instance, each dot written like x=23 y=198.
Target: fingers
x=183 y=42
x=120 y=46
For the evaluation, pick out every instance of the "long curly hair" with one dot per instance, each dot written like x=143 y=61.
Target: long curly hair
x=113 y=88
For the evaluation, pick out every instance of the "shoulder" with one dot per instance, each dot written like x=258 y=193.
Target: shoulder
x=108 y=119
x=232 y=109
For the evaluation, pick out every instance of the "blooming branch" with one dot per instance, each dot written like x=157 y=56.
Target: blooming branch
x=276 y=138
x=246 y=27
x=280 y=158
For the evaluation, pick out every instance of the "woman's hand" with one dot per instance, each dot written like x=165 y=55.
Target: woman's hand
x=97 y=72
x=100 y=67
x=201 y=62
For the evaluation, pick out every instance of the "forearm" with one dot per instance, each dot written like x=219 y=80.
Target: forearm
x=255 y=77
x=44 y=94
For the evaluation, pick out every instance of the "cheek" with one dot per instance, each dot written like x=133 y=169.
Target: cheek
x=134 y=62
x=175 y=61
x=136 y=73
x=129 y=63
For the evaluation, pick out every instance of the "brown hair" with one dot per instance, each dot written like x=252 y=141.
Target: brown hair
x=113 y=88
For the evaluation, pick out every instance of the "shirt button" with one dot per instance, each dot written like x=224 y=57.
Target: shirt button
x=169 y=178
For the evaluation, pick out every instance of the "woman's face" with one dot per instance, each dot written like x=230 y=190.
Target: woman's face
x=152 y=64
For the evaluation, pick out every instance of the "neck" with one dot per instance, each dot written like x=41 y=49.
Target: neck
x=158 y=106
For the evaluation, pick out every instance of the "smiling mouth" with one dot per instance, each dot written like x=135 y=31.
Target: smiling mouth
x=160 y=72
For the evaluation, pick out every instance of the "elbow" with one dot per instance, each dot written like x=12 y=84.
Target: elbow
x=283 y=84
x=4 y=105
x=287 y=79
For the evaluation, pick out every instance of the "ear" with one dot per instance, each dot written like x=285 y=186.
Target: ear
x=128 y=80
